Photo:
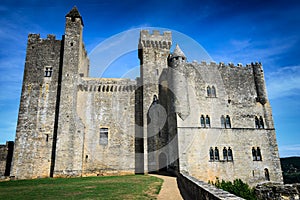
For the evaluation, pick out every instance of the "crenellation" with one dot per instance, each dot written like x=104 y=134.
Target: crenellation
x=156 y=32
x=155 y=39
x=33 y=38
x=51 y=37
x=212 y=63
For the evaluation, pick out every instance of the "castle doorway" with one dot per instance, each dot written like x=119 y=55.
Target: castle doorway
x=162 y=160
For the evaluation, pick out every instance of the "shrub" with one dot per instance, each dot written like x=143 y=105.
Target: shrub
x=238 y=187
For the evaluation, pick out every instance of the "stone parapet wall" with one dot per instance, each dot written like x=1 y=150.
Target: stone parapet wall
x=191 y=188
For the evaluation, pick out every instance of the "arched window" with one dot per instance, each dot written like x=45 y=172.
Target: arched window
x=202 y=121
x=217 y=153
x=256 y=122
x=211 y=154
x=208 y=91
x=254 y=154
x=213 y=91
x=225 y=154
x=230 y=155
x=207 y=121
x=228 y=123
x=261 y=122
x=267 y=175
x=258 y=154
x=223 y=122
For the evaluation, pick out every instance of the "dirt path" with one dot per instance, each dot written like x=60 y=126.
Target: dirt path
x=169 y=189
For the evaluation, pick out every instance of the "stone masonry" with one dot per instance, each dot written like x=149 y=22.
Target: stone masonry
x=6 y=153
x=206 y=120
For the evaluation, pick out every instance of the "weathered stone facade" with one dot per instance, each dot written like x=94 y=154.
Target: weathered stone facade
x=205 y=119
x=275 y=191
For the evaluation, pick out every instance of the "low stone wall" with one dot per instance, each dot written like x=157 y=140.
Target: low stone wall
x=277 y=191
x=191 y=188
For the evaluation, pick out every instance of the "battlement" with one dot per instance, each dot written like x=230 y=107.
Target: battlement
x=33 y=38
x=146 y=33
x=107 y=85
x=155 y=39
x=253 y=65
x=239 y=65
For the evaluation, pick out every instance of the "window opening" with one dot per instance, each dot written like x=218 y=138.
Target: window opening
x=103 y=136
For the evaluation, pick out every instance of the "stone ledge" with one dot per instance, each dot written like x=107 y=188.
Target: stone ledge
x=191 y=188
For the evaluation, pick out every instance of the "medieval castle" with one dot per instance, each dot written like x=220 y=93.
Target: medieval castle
x=207 y=120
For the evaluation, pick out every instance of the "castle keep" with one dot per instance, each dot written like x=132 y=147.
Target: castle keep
x=207 y=120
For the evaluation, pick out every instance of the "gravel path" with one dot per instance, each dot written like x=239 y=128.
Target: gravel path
x=169 y=189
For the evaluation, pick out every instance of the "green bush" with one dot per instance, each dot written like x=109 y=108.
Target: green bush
x=238 y=187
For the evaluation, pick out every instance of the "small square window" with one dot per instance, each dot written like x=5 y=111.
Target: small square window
x=48 y=72
x=103 y=136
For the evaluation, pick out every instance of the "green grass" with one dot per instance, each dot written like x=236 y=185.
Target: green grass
x=110 y=187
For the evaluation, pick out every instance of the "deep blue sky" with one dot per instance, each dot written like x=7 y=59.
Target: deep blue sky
x=230 y=31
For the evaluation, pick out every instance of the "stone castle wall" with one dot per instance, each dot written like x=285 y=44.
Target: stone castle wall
x=35 y=128
x=109 y=104
x=236 y=96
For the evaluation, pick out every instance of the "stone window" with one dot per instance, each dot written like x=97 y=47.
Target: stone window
x=261 y=122
x=217 y=153
x=202 y=121
x=256 y=154
x=230 y=155
x=227 y=122
x=103 y=136
x=256 y=122
x=211 y=154
x=213 y=91
x=48 y=72
x=207 y=121
x=225 y=153
x=267 y=175
x=223 y=122
x=253 y=154
x=208 y=91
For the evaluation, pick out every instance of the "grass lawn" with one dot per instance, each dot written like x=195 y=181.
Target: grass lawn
x=109 y=187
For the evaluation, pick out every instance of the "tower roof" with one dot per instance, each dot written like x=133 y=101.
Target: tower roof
x=178 y=52
x=74 y=13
